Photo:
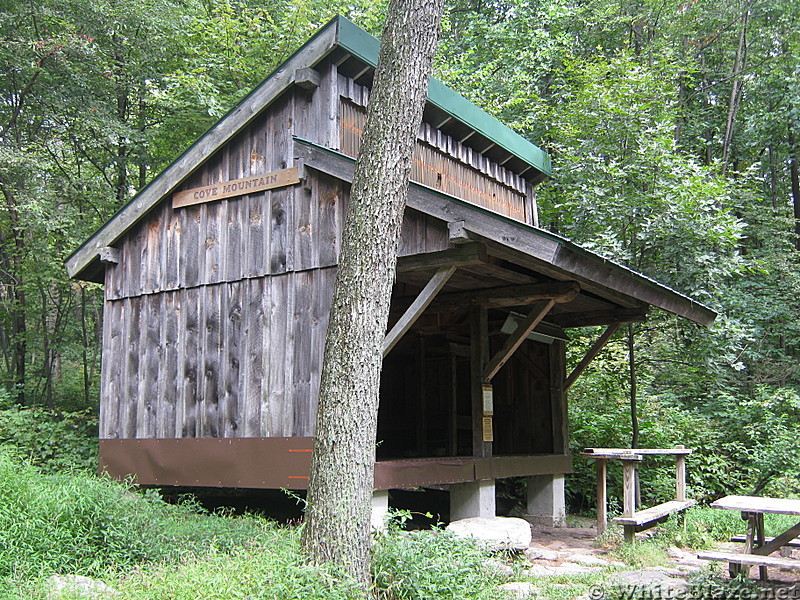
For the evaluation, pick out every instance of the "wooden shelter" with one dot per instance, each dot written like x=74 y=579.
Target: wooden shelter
x=218 y=278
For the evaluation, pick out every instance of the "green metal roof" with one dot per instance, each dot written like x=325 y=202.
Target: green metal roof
x=366 y=47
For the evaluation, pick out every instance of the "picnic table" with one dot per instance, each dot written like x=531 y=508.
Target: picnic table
x=757 y=548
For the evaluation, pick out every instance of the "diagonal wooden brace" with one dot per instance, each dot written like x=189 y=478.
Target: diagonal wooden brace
x=417 y=307
x=540 y=309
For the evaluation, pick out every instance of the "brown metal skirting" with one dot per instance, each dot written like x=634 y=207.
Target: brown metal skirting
x=272 y=463
x=498 y=467
x=266 y=463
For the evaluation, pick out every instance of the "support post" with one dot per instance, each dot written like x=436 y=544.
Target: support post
x=680 y=476
x=602 y=495
x=629 y=495
x=380 y=509
x=546 y=500
x=472 y=499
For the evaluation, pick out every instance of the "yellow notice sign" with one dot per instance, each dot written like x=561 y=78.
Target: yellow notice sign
x=238 y=187
x=488 y=429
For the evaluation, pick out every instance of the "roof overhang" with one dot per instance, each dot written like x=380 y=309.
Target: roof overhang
x=542 y=252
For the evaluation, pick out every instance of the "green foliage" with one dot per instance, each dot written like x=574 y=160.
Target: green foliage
x=49 y=440
x=431 y=565
x=75 y=523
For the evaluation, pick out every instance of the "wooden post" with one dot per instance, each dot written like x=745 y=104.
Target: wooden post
x=680 y=475
x=602 y=496
x=628 y=494
x=479 y=354
x=760 y=540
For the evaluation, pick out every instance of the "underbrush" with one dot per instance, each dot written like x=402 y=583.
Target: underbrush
x=80 y=524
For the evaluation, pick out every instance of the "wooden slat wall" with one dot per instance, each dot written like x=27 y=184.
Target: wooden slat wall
x=227 y=360
x=443 y=163
x=215 y=316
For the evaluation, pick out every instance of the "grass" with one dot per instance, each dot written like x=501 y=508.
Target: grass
x=146 y=549
x=74 y=523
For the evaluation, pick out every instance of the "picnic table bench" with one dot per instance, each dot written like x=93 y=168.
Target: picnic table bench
x=631 y=519
x=757 y=547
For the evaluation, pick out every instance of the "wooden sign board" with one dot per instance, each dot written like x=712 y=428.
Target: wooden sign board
x=488 y=429
x=238 y=187
x=488 y=399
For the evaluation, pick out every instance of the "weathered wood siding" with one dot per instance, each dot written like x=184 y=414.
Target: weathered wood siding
x=443 y=163
x=215 y=316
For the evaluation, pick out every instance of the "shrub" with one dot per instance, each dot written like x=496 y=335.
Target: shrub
x=431 y=565
x=51 y=440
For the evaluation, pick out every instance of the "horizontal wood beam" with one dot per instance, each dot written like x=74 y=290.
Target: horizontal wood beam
x=510 y=295
x=417 y=307
x=538 y=312
x=460 y=256
x=600 y=317
x=590 y=355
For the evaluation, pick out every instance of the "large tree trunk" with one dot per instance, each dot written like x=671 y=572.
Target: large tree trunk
x=340 y=488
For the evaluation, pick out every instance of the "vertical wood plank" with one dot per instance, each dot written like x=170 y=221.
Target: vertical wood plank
x=323 y=297
x=113 y=358
x=168 y=378
x=189 y=262
x=172 y=248
x=296 y=414
x=234 y=343
x=328 y=196
x=192 y=357
x=280 y=348
x=150 y=348
x=211 y=342
x=130 y=407
x=254 y=376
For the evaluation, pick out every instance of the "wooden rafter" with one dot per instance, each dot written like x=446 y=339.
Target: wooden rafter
x=460 y=256
x=509 y=295
x=417 y=307
x=538 y=312
x=593 y=351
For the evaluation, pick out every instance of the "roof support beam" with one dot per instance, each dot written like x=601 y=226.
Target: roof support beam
x=514 y=341
x=510 y=295
x=460 y=256
x=601 y=317
x=590 y=355
x=417 y=307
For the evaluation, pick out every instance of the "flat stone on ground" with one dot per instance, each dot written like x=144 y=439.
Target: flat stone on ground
x=650 y=580
x=536 y=553
x=519 y=590
x=72 y=586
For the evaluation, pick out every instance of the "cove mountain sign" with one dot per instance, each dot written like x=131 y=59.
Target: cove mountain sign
x=238 y=187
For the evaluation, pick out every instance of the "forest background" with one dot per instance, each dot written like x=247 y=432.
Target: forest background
x=674 y=128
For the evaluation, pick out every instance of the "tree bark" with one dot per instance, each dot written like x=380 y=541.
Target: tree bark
x=794 y=177
x=736 y=89
x=337 y=525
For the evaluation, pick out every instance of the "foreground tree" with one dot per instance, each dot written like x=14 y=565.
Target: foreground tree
x=340 y=488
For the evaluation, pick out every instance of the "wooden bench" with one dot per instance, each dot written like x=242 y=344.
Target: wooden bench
x=751 y=559
x=795 y=543
x=631 y=519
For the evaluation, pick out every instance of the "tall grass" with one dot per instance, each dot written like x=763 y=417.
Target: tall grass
x=82 y=524
x=146 y=549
